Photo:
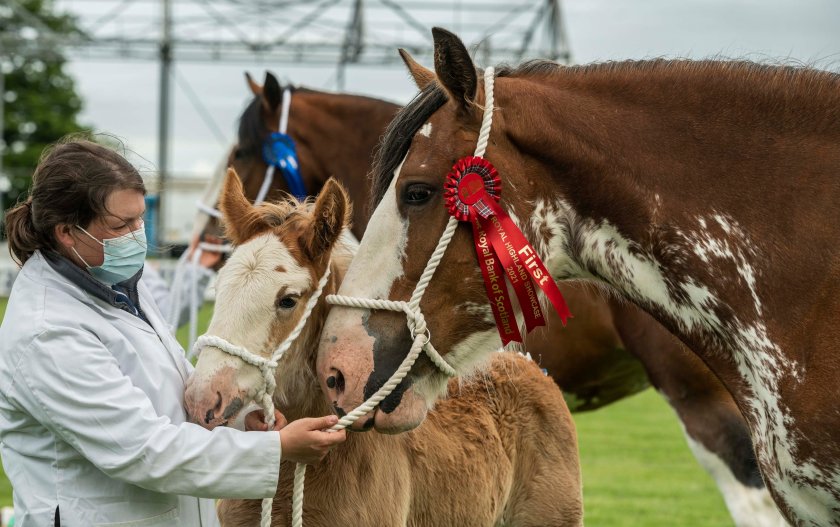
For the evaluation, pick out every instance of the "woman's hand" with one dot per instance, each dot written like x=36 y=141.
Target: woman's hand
x=307 y=441
x=255 y=421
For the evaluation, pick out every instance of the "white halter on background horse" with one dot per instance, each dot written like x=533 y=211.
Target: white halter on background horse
x=501 y=450
x=703 y=192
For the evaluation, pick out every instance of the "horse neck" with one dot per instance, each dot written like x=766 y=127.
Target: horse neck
x=341 y=131
x=298 y=391
x=665 y=185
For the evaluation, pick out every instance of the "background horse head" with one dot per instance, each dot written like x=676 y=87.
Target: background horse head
x=282 y=251
x=334 y=136
x=703 y=192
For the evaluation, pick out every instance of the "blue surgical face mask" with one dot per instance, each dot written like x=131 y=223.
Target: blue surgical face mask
x=124 y=256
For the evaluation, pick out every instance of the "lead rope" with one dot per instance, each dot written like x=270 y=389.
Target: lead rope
x=268 y=368
x=415 y=320
x=210 y=210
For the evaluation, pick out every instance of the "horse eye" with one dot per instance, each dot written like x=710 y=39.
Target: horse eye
x=417 y=193
x=287 y=302
x=239 y=153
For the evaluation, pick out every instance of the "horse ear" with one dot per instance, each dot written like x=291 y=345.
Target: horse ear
x=331 y=213
x=240 y=218
x=256 y=89
x=271 y=92
x=454 y=67
x=422 y=76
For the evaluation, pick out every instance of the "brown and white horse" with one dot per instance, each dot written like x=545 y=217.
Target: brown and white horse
x=500 y=450
x=612 y=350
x=704 y=192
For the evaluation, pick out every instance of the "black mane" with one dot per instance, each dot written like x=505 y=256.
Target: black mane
x=398 y=136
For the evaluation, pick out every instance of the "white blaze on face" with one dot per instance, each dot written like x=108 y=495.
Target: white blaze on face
x=246 y=291
x=378 y=263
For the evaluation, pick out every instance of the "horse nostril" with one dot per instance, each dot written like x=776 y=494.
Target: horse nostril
x=336 y=382
x=212 y=412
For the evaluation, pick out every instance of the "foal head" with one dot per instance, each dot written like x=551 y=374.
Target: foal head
x=282 y=251
x=364 y=347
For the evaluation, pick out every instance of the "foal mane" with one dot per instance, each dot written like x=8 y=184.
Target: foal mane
x=787 y=81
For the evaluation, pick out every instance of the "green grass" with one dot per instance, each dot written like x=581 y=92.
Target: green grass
x=637 y=469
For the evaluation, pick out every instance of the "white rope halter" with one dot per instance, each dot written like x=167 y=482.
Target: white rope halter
x=268 y=368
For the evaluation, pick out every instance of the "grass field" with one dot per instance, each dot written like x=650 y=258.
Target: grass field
x=637 y=469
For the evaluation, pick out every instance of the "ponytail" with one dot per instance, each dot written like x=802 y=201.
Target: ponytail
x=23 y=237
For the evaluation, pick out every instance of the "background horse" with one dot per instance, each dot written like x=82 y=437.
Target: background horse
x=703 y=192
x=501 y=450
x=612 y=349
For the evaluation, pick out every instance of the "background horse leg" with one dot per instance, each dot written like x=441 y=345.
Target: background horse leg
x=714 y=428
x=587 y=358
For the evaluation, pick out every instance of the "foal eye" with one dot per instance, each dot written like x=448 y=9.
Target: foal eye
x=417 y=193
x=287 y=302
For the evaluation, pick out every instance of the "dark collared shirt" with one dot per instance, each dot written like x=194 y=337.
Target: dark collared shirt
x=122 y=295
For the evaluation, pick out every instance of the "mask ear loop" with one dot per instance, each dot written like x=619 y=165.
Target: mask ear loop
x=79 y=256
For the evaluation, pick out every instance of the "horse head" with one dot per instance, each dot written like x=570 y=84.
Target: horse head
x=282 y=251
x=364 y=347
x=305 y=137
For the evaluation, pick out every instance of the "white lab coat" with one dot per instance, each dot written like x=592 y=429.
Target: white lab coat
x=92 y=418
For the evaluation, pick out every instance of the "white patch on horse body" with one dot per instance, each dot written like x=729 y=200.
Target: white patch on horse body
x=694 y=306
x=426 y=130
x=748 y=506
x=482 y=310
x=552 y=240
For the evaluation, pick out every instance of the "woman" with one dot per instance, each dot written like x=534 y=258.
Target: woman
x=92 y=423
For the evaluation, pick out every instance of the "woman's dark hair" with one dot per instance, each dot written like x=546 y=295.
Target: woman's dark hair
x=73 y=179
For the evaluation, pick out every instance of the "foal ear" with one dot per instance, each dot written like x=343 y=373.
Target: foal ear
x=454 y=67
x=255 y=88
x=331 y=213
x=271 y=92
x=241 y=219
x=422 y=76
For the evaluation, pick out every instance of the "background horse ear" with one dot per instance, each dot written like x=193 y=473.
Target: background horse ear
x=256 y=89
x=241 y=219
x=331 y=213
x=271 y=93
x=422 y=76
x=454 y=67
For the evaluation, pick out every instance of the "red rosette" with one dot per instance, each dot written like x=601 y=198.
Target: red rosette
x=470 y=179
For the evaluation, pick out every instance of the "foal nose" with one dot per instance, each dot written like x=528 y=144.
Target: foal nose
x=212 y=404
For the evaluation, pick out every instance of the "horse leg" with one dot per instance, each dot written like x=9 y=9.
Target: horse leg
x=715 y=430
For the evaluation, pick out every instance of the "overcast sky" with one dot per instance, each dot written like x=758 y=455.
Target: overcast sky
x=121 y=97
